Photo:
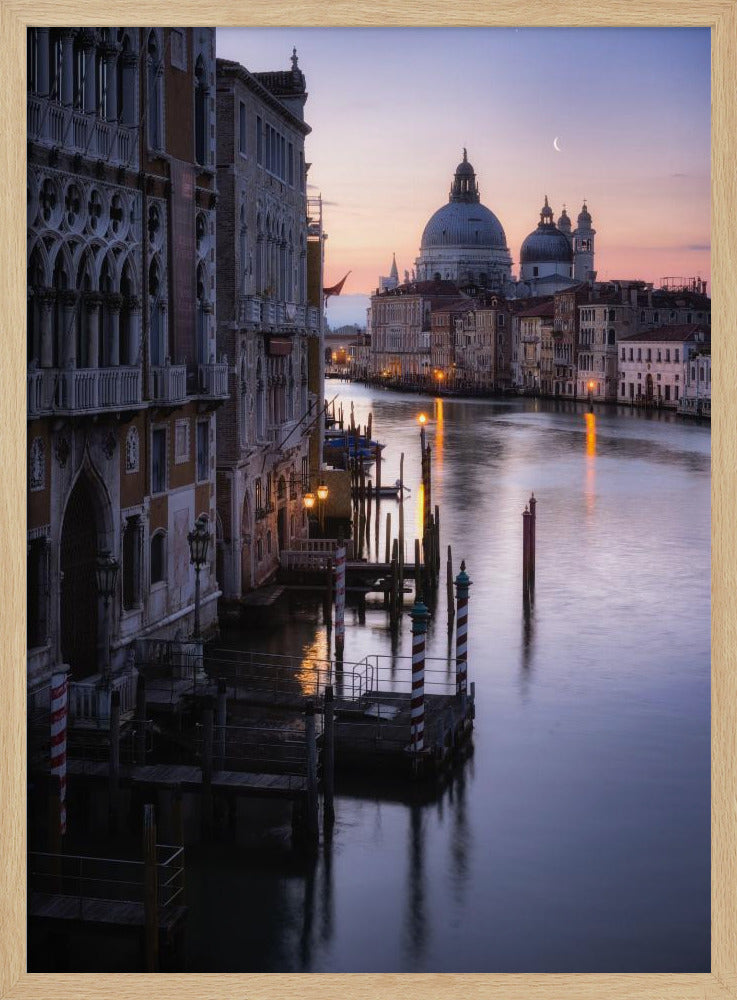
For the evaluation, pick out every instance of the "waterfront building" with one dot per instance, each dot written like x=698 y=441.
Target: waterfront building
x=269 y=320
x=566 y=337
x=654 y=365
x=696 y=398
x=536 y=345
x=464 y=241
x=606 y=317
x=401 y=328
x=123 y=378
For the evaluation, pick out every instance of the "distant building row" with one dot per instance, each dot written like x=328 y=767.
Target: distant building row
x=618 y=342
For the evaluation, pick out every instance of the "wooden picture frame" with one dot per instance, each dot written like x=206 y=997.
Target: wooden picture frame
x=721 y=17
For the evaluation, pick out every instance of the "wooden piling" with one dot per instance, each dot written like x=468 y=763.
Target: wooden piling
x=328 y=759
x=207 y=739
x=140 y=738
x=436 y=542
x=114 y=771
x=387 y=550
x=150 y=889
x=378 y=475
x=533 y=505
x=327 y=612
x=401 y=525
x=395 y=597
x=313 y=831
x=526 y=516
x=449 y=590
x=369 y=426
x=418 y=571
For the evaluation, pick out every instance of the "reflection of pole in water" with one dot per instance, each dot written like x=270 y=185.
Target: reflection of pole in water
x=528 y=639
x=590 y=419
x=460 y=840
x=327 y=908
x=416 y=921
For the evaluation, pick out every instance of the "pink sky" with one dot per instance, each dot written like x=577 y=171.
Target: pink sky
x=392 y=109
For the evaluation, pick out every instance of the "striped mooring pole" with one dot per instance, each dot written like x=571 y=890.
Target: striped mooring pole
x=58 y=712
x=339 y=601
x=462 y=584
x=419 y=615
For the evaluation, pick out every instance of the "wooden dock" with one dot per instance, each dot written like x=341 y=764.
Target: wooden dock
x=189 y=778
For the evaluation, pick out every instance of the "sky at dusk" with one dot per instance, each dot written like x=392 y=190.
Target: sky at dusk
x=392 y=108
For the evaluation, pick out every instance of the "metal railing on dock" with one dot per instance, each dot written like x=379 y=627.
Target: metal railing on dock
x=80 y=884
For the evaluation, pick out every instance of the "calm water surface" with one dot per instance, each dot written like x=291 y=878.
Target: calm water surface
x=577 y=837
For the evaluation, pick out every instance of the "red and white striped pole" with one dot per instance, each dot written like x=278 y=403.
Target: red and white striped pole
x=339 y=601
x=462 y=584
x=419 y=615
x=59 y=711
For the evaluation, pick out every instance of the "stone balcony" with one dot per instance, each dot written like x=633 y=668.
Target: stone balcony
x=167 y=384
x=213 y=380
x=284 y=434
x=82 y=390
x=249 y=310
x=52 y=124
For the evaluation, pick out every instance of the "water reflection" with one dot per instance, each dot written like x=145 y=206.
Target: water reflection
x=416 y=920
x=590 y=777
x=590 y=490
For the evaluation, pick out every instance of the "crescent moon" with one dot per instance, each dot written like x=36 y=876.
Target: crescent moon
x=556 y=147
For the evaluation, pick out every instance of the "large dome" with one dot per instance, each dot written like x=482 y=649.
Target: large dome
x=463 y=241
x=463 y=224
x=546 y=244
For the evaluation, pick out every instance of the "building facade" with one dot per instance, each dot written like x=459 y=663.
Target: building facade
x=265 y=321
x=655 y=366
x=123 y=378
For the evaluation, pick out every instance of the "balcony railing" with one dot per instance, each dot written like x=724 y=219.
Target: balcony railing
x=89 y=699
x=168 y=383
x=52 y=124
x=249 y=309
x=313 y=318
x=278 y=433
x=214 y=380
x=268 y=313
x=82 y=389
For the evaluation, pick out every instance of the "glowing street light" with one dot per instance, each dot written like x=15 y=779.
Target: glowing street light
x=309 y=500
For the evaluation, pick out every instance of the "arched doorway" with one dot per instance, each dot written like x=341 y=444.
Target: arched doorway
x=649 y=387
x=79 y=598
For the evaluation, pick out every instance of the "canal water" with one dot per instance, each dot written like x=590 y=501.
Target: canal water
x=577 y=837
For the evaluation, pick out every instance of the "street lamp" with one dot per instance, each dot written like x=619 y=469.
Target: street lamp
x=199 y=541
x=106 y=573
x=591 y=395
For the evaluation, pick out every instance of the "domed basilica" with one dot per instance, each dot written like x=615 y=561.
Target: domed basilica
x=464 y=242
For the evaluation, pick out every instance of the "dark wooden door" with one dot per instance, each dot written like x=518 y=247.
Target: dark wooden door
x=79 y=601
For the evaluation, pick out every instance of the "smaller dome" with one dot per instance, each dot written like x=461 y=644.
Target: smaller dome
x=564 y=222
x=546 y=244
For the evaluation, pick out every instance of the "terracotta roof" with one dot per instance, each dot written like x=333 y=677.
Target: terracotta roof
x=545 y=309
x=680 y=333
